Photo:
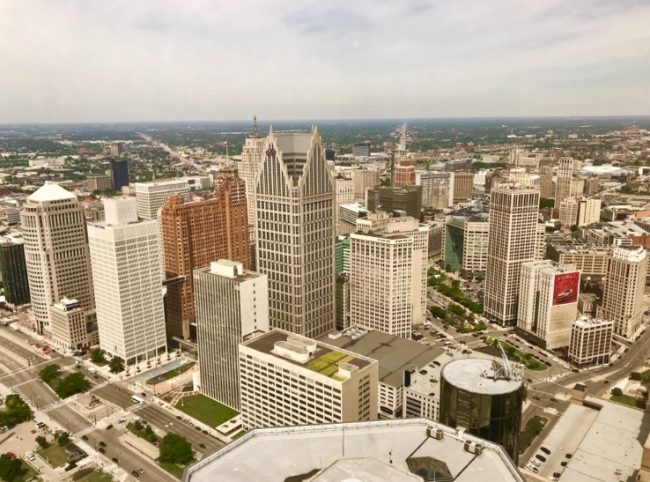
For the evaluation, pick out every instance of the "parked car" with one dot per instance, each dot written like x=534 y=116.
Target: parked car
x=545 y=450
x=540 y=457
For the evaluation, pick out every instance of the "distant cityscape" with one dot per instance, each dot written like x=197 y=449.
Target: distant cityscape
x=419 y=300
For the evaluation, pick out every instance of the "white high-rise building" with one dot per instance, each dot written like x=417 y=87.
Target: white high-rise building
x=232 y=306
x=249 y=167
x=588 y=211
x=295 y=233
x=126 y=261
x=548 y=302
x=388 y=274
x=627 y=268
x=591 y=341
x=564 y=176
x=512 y=240
x=288 y=379
x=568 y=212
x=56 y=251
x=151 y=195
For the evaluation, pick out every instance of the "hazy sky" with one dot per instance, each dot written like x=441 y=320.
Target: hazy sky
x=131 y=60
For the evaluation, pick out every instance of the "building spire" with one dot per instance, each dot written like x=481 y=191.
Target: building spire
x=255 y=132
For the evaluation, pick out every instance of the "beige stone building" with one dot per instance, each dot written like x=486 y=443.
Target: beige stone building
x=591 y=341
x=69 y=326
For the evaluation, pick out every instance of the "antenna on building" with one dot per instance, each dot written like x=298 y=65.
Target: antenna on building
x=507 y=369
x=255 y=132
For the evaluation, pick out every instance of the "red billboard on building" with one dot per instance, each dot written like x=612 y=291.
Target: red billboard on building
x=566 y=288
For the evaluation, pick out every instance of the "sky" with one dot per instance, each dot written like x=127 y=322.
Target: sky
x=181 y=60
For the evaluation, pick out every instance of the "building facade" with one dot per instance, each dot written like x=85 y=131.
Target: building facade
x=288 y=379
x=364 y=179
x=295 y=233
x=151 y=195
x=591 y=341
x=388 y=263
x=119 y=173
x=588 y=211
x=69 y=325
x=249 y=167
x=568 y=212
x=13 y=271
x=466 y=243
x=463 y=185
x=56 y=251
x=548 y=303
x=407 y=199
x=627 y=269
x=196 y=233
x=437 y=189
x=126 y=263
x=232 y=306
x=563 y=181
x=511 y=242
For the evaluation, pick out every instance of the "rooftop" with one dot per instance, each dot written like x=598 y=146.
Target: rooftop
x=393 y=353
x=392 y=450
x=50 y=191
x=477 y=375
x=310 y=354
x=587 y=322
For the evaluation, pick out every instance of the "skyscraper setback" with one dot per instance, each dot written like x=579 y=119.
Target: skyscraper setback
x=56 y=251
x=295 y=201
x=196 y=233
x=511 y=242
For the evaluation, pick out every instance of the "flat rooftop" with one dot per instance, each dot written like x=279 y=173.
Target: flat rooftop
x=393 y=353
x=476 y=375
x=325 y=359
x=391 y=450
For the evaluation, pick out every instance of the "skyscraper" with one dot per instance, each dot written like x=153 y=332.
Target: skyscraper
x=627 y=269
x=119 y=173
x=150 y=195
x=196 y=233
x=437 y=189
x=249 y=167
x=511 y=241
x=564 y=177
x=388 y=263
x=463 y=185
x=295 y=233
x=405 y=170
x=126 y=262
x=13 y=270
x=232 y=306
x=56 y=251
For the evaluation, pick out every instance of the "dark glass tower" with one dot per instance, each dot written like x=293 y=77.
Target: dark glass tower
x=120 y=173
x=14 y=273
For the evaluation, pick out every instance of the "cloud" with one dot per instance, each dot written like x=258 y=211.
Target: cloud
x=74 y=60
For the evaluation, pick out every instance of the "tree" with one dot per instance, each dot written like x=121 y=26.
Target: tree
x=49 y=373
x=617 y=391
x=116 y=365
x=63 y=439
x=175 y=449
x=97 y=356
x=438 y=312
x=10 y=468
x=16 y=411
x=42 y=442
x=73 y=383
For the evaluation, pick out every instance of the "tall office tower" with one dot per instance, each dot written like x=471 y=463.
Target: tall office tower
x=196 y=233
x=437 y=190
x=117 y=148
x=344 y=189
x=364 y=179
x=405 y=171
x=548 y=303
x=342 y=301
x=151 y=195
x=119 y=173
x=588 y=211
x=388 y=274
x=232 y=306
x=249 y=167
x=623 y=291
x=126 y=264
x=389 y=199
x=546 y=187
x=568 y=212
x=564 y=177
x=292 y=380
x=56 y=251
x=466 y=243
x=463 y=185
x=295 y=233
x=13 y=270
x=540 y=241
x=511 y=242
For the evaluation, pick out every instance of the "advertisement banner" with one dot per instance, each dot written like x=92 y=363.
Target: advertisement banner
x=566 y=288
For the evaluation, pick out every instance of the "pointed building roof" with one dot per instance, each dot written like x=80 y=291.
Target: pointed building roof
x=50 y=191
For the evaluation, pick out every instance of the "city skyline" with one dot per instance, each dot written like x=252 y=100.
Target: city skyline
x=178 y=61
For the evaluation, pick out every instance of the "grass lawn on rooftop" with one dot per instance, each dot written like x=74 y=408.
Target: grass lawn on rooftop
x=206 y=410
x=54 y=455
x=325 y=361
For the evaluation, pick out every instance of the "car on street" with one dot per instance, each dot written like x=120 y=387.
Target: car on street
x=115 y=460
x=545 y=450
x=102 y=444
x=101 y=450
x=202 y=445
x=109 y=426
x=135 y=473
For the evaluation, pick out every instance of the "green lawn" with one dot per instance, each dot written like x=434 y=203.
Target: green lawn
x=626 y=400
x=54 y=455
x=206 y=410
x=97 y=476
x=533 y=428
x=524 y=358
x=175 y=470
x=27 y=472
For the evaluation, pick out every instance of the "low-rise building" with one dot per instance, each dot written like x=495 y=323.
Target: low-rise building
x=591 y=341
x=287 y=379
x=72 y=327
